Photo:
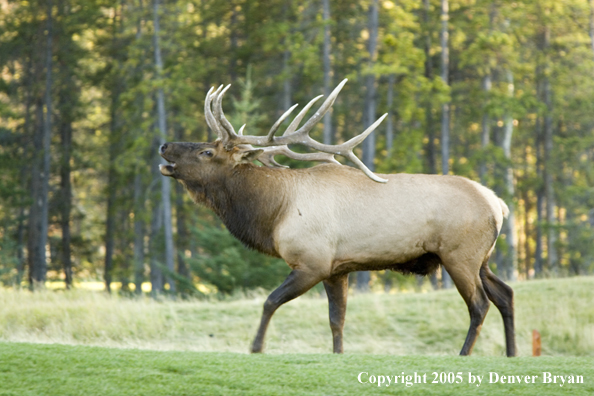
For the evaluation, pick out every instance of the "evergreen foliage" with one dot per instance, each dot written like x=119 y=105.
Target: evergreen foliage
x=524 y=67
x=226 y=264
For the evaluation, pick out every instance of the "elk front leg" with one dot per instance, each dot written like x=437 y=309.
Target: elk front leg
x=297 y=283
x=337 y=291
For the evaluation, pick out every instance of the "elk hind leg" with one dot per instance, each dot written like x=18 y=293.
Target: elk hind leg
x=471 y=289
x=297 y=283
x=503 y=297
x=337 y=291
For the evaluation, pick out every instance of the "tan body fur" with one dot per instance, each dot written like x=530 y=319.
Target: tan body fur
x=350 y=221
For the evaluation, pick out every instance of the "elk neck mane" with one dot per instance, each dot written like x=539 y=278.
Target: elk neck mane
x=250 y=202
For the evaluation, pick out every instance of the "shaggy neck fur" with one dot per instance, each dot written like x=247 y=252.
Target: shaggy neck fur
x=250 y=203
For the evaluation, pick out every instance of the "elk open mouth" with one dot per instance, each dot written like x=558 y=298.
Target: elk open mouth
x=167 y=169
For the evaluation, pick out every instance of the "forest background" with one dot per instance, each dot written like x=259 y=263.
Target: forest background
x=497 y=91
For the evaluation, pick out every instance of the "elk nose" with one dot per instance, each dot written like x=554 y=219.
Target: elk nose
x=163 y=148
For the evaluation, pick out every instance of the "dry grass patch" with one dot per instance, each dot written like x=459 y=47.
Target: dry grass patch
x=433 y=323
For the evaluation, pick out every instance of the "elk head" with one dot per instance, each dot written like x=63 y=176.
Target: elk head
x=195 y=161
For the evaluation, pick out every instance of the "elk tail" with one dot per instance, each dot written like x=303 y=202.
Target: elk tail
x=504 y=208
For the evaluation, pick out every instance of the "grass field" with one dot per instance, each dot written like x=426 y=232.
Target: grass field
x=35 y=370
x=433 y=323
x=120 y=346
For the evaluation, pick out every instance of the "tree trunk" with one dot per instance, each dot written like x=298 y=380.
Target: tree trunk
x=34 y=256
x=285 y=102
x=327 y=70
x=540 y=196
x=591 y=27
x=165 y=181
x=388 y=284
x=122 y=246
x=20 y=252
x=389 y=121
x=66 y=193
x=528 y=229
x=509 y=229
x=538 y=252
x=286 y=99
x=233 y=41
x=486 y=122
x=485 y=129
x=68 y=97
x=183 y=234
x=111 y=211
x=30 y=136
x=445 y=109
x=155 y=253
x=572 y=230
x=139 y=195
x=363 y=277
x=114 y=144
x=548 y=165
x=370 y=97
x=431 y=150
x=138 y=233
x=156 y=273
x=429 y=125
x=39 y=274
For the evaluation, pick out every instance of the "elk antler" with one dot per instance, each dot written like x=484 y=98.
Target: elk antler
x=275 y=145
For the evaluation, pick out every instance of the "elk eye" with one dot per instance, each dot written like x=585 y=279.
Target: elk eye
x=208 y=153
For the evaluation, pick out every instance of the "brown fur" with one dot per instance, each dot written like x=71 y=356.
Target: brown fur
x=234 y=200
x=424 y=264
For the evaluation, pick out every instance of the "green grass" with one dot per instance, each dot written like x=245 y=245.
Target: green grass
x=195 y=344
x=29 y=369
x=433 y=323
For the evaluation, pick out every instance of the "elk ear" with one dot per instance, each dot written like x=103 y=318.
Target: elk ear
x=246 y=156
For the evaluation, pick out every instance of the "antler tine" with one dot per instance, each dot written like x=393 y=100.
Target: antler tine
x=268 y=160
x=364 y=168
x=210 y=119
x=274 y=128
x=267 y=157
x=322 y=110
x=218 y=112
x=350 y=144
x=346 y=149
x=293 y=125
x=209 y=92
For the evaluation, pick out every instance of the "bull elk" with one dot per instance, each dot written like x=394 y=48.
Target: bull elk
x=330 y=220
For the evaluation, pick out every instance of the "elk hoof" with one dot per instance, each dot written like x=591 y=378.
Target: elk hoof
x=257 y=348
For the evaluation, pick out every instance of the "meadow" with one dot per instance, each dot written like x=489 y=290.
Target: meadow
x=431 y=323
x=110 y=345
x=35 y=370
